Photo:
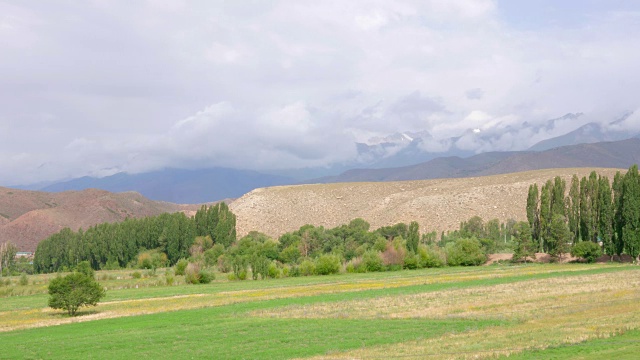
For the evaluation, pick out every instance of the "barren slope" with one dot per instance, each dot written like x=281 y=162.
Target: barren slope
x=27 y=217
x=436 y=204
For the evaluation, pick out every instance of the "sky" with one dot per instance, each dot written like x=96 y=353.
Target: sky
x=97 y=87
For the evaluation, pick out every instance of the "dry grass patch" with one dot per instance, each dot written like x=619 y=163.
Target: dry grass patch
x=545 y=313
x=519 y=300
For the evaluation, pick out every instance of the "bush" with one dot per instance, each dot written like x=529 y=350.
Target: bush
x=308 y=267
x=192 y=274
x=430 y=256
x=181 y=266
x=393 y=255
x=136 y=275
x=74 y=291
x=224 y=264
x=465 y=252
x=410 y=261
x=24 y=281
x=206 y=276
x=168 y=276
x=371 y=262
x=587 y=250
x=211 y=256
x=273 y=271
x=327 y=264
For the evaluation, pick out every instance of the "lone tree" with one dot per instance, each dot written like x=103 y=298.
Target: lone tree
x=74 y=291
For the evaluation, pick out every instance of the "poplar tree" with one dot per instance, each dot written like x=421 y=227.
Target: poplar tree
x=606 y=216
x=533 y=215
x=573 y=209
x=631 y=212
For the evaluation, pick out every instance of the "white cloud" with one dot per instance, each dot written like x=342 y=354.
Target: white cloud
x=97 y=87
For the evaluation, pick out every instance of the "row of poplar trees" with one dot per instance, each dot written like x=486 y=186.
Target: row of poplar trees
x=593 y=210
x=118 y=244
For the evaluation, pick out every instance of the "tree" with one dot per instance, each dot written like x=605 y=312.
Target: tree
x=413 y=237
x=573 y=208
x=74 y=291
x=545 y=215
x=606 y=216
x=559 y=236
x=587 y=250
x=533 y=216
x=8 y=253
x=631 y=212
x=525 y=245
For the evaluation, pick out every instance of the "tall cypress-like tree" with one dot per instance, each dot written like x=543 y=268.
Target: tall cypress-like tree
x=618 y=222
x=631 y=212
x=573 y=209
x=545 y=214
x=605 y=216
x=413 y=237
x=533 y=215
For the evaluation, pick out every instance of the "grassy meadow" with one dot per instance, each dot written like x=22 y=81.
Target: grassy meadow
x=560 y=311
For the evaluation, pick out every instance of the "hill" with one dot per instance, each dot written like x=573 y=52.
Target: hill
x=436 y=204
x=27 y=217
x=179 y=185
x=615 y=154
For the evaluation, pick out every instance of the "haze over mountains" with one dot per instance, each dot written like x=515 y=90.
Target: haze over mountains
x=399 y=156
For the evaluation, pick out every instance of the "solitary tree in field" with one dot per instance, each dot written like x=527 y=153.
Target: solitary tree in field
x=74 y=291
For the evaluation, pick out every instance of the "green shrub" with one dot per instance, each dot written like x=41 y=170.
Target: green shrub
x=465 y=252
x=410 y=261
x=242 y=275
x=211 y=256
x=273 y=271
x=181 y=266
x=430 y=256
x=136 y=275
x=587 y=250
x=308 y=267
x=24 y=281
x=224 y=264
x=206 y=276
x=371 y=261
x=169 y=278
x=380 y=245
x=327 y=264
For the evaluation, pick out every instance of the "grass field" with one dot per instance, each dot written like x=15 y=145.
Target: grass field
x=563 y=311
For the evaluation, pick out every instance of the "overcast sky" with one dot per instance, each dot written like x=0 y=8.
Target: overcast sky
x=96 y=87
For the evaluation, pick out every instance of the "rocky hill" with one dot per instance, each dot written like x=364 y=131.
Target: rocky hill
x=436 y=204
x=27 y=217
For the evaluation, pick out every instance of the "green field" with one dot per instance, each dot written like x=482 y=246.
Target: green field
x=555 y=311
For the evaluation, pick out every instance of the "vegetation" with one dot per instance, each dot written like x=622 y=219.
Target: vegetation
x=74 y=291
x=435 y=313
x=593 y=211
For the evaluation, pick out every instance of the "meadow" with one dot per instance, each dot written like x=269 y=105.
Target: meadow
x=560 y=311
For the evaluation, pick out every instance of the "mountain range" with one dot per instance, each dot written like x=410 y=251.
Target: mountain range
x=616 y=154
x=398 y=156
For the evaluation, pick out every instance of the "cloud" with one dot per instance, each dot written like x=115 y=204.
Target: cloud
x=97 y=87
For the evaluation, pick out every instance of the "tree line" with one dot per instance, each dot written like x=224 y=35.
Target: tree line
x=593 y=211
x=114 y=245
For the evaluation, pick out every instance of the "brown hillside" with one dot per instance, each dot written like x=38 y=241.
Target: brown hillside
x=436 y=204
x=27 y=217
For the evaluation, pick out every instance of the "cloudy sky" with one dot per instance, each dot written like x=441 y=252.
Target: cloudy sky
x=96 y=87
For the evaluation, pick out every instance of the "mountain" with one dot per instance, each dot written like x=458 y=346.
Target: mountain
x=437 y=205
x=617 y=154
x=588 y=133
x=27 y=217
x=179 y=185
